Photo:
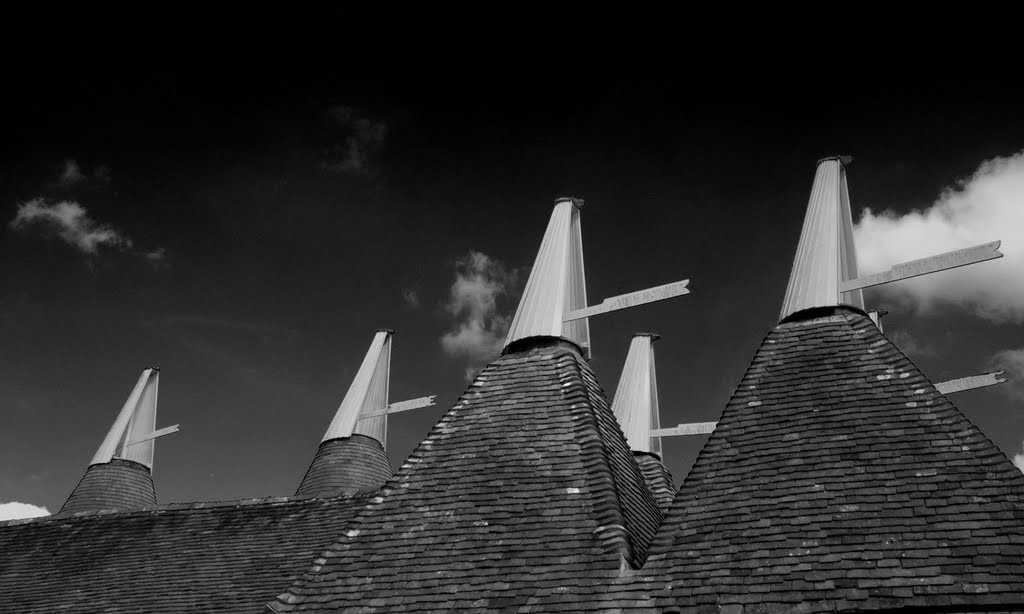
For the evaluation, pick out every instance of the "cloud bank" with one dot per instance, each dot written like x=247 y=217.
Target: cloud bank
x=984 y=207
x=15 y=510
x=478 y=333
x=69 y=221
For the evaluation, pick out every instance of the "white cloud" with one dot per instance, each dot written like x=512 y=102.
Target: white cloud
x=1018 y=459
x=410 y=298
x=985 y=207
x=71 y=222
x=1012 y=363
x=911 y=345
x=71 y=173
x=357 y=139
x=479 y=331
x=15 y=510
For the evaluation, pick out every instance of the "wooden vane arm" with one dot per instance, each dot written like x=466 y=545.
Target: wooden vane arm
x=625 y=301
x=693 y=428
x=924 y=266
x=970 y=383
x=158 y=433
x=394 y=408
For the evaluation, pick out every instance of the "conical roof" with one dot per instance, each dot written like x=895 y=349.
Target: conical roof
x=120 y=474
x=825 y=256
x=839 y=478
x=114 y=485
x=346 y=465
x=524 y=483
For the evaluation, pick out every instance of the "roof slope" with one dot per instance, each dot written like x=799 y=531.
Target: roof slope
x=839 y=478
x=525 y=486
x=219 y=557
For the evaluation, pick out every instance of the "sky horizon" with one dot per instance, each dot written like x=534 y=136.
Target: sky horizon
x=247 y=223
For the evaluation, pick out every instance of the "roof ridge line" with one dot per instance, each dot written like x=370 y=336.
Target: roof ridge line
x=617 y=542
x=621 y=541
x=662 y=540
x=173 y=507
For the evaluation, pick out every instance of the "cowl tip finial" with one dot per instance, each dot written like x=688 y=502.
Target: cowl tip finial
x=843 y=160
x=577 y=202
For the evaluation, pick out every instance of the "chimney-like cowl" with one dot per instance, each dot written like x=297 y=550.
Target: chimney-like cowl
x=825 y=256
x=557 y=283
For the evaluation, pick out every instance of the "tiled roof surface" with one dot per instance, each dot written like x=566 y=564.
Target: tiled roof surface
x=524 y=488
x=346 y=465
x=118 y=484
x=658 y=478
x=221 y=557
x=838 y=478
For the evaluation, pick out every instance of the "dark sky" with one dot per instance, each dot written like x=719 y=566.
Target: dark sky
x=282 y=188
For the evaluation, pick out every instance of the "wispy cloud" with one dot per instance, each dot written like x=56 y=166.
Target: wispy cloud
x=72 y=174
x=911 y=345
x=986 y=206
x=1018 y=459
x=1012 y=362
x=355 y=141
x=410 y=298
x=479 y=328
x=69 y=221
x=15 y=510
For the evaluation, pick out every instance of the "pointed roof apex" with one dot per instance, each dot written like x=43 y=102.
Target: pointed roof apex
x=129 y=436
x=636 y=397
x=826 y=256
x=368 y=392
x=557 y=284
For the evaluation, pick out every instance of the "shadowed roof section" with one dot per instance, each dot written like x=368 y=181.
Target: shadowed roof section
x=524 y=486
x=202 y=557
x=840 y=478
